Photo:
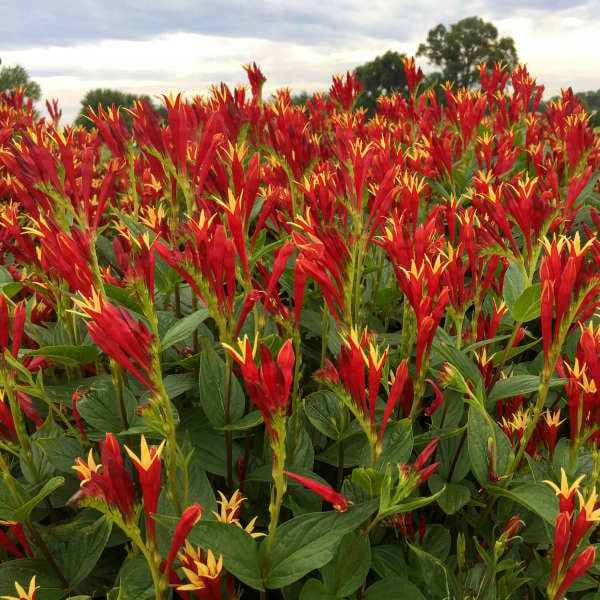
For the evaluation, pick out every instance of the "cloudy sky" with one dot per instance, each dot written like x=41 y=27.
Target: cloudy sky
x=156 y=46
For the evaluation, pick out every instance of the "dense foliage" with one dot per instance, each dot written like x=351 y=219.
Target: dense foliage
x=214 y=323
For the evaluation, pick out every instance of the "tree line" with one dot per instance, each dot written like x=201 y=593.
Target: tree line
x=455 y=52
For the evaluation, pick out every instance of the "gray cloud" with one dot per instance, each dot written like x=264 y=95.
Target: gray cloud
x=308 y=22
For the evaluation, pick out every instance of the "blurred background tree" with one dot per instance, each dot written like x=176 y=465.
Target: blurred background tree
x=16 y=77
x=383 y=75
x=107 y=97
x=591 y=101
x=459 y=50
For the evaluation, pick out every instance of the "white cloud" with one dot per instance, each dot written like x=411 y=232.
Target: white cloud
x=185 y=62
x=558 y=47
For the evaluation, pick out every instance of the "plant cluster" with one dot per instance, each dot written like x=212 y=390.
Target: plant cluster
x=214 y=323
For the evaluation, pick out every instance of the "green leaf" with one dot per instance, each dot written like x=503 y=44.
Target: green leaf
x=67 y=355
x=22 y=512
x=313 y=589
x=528 y=305
x=78 y=555
x=445 y=346
x=22 y=570
x=100 y=407
x=61 y=451
x=393 y=588
x=514 y=284
x=369 y=480
x=410 y=504
x=455 y=496
x=184 y=328
x=135 y=580
x=350 y=565
x=386 y=561
x=252 y=419
x=240 y=556
x=124 y=298
x=179 y=383
x=308 y=542
x=434 y=573
x=397 y=443
x=322 y=409
x=519 y=384
x=212 y=383
x=536 y=497
x=478 y=434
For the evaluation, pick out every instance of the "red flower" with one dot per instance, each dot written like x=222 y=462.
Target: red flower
x=339 y=502
x=269 y=385
x=149 y=469
x=109 y=481
x=119 y=336
x=190 y=516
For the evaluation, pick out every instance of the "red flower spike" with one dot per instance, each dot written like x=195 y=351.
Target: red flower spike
x=112 y=485
x=119 y=336
x=29 y=594
x=202 y=571
x=578 y=569
x=268 y=386
x=565 y=493
x=190 y=516
x=10 y=546
x=117 y=481
x=512 y=527
x=339 y=502
x=149 y=468
x=398 y=382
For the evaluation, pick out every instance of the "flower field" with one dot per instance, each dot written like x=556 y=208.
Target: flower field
x=297 y=352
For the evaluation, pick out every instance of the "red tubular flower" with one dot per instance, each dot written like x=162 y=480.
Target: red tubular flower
x=268 y=386
x=256 y=80
x=190 y=516
x=109 y=481
x=419 y=464
x=203 y=572
x=564 y=275
x=345 y=93
x=399 y=380
x=29 y=594
x=339 y=502
x=578 y=569
x=19 y=534
x=207 y=262
x=323 y=256
x=569 y=531
x=136 y=260
x=11 y=329
x=119 y=336
x=149 y=468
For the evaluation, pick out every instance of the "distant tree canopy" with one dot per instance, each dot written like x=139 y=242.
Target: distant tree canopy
x=459 y=50
x=16 y=77
x=383 y=75
x=107 y=97
x=591 y=101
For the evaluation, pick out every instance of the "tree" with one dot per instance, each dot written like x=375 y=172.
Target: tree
x=591 y=101
x=107 y=97
x=383 y=75
x=459 y=50
x=16 y=77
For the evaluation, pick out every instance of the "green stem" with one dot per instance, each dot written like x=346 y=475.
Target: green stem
x=296 y=417
x=280 y=484
x=117 y=378
x=227 y=411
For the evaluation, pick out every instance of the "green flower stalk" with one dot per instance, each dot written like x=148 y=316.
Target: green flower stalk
x=269 y=387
